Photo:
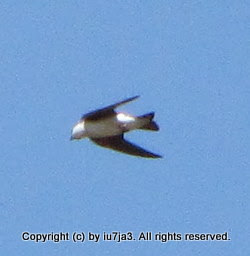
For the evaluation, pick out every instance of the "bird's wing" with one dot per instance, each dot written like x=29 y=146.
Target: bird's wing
x=105 y=112
x=120 y=144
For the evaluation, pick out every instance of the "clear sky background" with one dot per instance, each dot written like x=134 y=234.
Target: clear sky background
x=189 y=62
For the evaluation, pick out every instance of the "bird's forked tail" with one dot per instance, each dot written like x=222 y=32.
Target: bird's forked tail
x=151 y=125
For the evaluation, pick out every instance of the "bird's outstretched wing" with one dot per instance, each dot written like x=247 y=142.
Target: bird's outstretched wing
x=120 y=144
x=105 y=112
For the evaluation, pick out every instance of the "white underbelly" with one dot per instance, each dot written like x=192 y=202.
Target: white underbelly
x=103 y=128
x=113 y=126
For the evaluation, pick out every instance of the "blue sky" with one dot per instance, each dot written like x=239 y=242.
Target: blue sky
x=189 y=62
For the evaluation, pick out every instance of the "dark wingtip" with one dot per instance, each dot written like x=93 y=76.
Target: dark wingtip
x=157 y=156
x=152 y=155
x=135 y=97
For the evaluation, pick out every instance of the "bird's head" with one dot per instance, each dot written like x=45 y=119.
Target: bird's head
x=78 y=131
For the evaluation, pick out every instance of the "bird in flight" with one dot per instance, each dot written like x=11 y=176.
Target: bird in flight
x=106 y=128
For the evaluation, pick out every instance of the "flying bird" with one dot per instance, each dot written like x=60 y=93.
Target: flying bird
x=106 y=128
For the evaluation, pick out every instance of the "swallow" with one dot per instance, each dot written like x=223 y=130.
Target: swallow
x=106 y=128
